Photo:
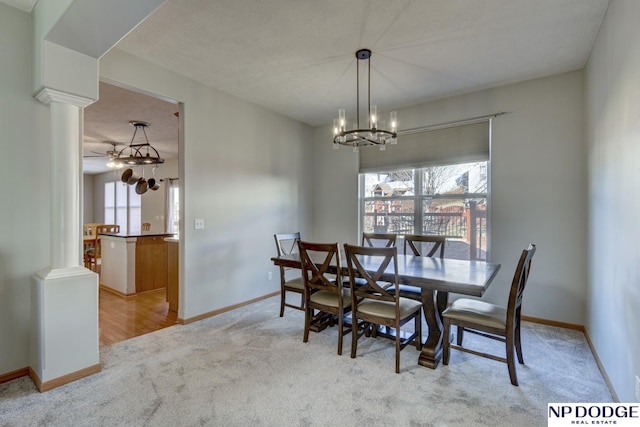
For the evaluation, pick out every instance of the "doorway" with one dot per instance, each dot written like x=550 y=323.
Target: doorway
x=107 y=131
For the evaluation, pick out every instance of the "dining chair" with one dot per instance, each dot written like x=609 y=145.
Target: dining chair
x=323 y=292
x=421 y=245
x=491 y=321
x=287 y=244
x=374 y=240
x=146 y=226
x=424 y=245
x=88 y=237
x=94 y=253
x=89 y=230
x=373 y=304
x=107 y=228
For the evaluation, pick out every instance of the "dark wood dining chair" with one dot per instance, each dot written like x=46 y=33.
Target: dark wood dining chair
x=373 y=304
x=491 y=321
x=424 y=245
x=323 y=291
x=421 y=245
x=376 y=240
x=290 y=279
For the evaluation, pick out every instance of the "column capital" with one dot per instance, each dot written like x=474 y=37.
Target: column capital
x=48 y=95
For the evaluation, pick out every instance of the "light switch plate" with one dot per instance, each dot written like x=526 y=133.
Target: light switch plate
x=198 y=224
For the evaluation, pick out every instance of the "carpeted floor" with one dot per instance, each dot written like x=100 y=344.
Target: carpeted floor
x=249 y=367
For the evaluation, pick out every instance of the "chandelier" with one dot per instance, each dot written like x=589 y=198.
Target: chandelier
x=140 y=153
x=376 y=133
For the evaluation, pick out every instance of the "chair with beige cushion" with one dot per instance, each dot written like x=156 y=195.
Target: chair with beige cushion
x=146 y=226
x=323 y=292
x=290 y=279
x=491 y=321
x=373 y=304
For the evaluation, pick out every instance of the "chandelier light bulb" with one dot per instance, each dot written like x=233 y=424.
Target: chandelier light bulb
x=374 y=113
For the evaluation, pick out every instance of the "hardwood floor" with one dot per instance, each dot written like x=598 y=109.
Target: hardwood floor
x=123 y=318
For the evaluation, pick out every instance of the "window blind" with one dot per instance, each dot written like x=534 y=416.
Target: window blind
x=455 y=144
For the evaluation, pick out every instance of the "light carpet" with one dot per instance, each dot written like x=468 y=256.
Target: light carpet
x=249 y=367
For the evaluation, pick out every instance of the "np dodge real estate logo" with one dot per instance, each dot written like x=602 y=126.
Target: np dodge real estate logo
x=572 y=414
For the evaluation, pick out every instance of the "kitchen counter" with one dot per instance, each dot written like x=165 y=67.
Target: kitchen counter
x=134 y=263
x=140 y=234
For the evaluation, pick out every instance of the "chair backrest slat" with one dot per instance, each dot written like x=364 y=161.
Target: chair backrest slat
x=286 y=243
x=419 y=242
x=316 y=260
x=379 y=257
x=376 y=240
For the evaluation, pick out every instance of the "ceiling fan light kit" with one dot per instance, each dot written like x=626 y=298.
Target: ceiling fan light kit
x=111 y=154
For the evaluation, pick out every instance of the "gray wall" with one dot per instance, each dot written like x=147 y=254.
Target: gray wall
x=613 y=144
x=538 y=187
x=243 y=170
x=24 y=187
x=87 y=199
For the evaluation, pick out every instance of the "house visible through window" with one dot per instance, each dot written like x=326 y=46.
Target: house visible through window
x=444 y=200
x=122 y=206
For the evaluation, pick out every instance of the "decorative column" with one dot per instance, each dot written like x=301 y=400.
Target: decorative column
x=64 y=313
x=66 y=173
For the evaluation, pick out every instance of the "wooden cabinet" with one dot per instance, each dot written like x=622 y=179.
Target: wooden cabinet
x=151 y=263
x=172 y=275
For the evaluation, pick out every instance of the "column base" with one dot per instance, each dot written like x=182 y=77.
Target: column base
x=64 y=326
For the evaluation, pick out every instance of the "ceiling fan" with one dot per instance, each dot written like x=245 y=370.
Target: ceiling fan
x=110 y=154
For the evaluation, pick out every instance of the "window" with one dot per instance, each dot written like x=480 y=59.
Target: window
x=122 y=206
x=434 y=181
x=446 y=200
x=173 y=206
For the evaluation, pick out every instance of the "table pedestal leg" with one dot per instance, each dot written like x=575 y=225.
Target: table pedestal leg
x=434 y=303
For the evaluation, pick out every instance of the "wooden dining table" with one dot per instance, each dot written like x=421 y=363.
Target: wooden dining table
x=436 y=278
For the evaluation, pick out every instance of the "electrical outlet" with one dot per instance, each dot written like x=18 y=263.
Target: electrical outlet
x=637 y=388
x=198 y=224
x=270 y=277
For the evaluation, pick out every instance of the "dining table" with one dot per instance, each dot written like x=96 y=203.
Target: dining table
x=436 y=277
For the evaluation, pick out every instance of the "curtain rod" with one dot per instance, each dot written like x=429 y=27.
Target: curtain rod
x=450 y=124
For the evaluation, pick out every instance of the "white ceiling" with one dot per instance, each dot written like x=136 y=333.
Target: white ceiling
x=107 y=121
x=24 y=5
x=297 y=57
